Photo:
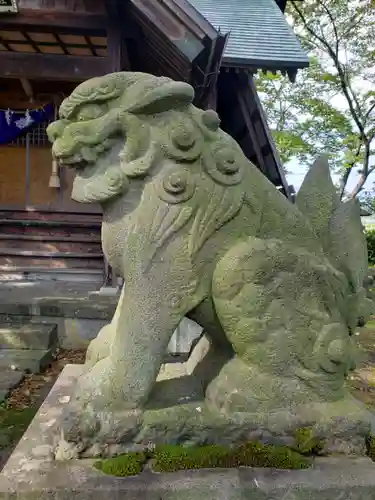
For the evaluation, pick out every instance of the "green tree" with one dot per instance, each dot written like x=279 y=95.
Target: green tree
x=367 y=201
x=331 y=107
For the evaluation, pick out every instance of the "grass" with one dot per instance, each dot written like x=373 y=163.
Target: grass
x=13 y=424
x=172 y=458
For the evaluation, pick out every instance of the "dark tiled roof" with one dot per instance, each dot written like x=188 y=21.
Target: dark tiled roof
x=260 y=37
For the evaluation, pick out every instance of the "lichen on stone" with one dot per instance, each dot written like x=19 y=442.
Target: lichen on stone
x=195 y=229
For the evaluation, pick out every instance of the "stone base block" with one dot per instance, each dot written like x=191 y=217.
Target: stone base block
x=32 y=473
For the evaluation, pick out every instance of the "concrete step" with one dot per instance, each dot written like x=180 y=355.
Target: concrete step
x=13 y=246
x=50 y=223
x=32 y=215
x=43 y=273
x=10 y=262
x=52 y=238
x=26 y=360
x=8 y=380
x=34 y=337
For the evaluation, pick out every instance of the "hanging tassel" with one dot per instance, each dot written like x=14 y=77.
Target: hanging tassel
x=54 y=180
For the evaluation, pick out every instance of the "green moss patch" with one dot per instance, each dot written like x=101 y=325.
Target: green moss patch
x=174 y=458
x=13 y=424
x=171 y=458
x=370 y=444
x=130 y=464
x=306 y=443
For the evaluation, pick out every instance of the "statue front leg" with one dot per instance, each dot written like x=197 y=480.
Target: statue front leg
x=100 y=347
x=147 y=319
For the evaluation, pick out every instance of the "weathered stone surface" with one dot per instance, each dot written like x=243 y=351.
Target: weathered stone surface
x=25 y=359
x=30 y=336
x=32 y=473
x=8 y=380
x=349 y=480
x=177 y=413
x=196 y=230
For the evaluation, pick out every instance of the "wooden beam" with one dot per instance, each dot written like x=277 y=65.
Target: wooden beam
x=51 y=66
x=27 y=88
x=43 y=19
x=118 y=57
x=250 y=128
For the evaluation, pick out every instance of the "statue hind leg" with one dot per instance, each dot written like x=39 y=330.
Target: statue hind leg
x=277 y=306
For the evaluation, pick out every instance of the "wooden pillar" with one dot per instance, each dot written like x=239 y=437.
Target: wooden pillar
x=118 y=60
x=118 y=57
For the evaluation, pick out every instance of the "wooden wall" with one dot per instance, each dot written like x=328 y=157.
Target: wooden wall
x=13 y=177
x=39 y=193
x=19 y=189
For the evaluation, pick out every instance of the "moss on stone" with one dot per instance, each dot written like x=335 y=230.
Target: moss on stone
x=370 y=444
x=171 y=458
x=129 y=464
x=306 y=443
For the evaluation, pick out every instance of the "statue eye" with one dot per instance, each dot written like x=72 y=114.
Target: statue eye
x=90 y=112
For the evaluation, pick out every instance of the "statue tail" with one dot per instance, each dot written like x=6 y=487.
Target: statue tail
x=336 y=224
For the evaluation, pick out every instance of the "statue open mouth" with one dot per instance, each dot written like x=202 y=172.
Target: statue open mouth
x=86 y=157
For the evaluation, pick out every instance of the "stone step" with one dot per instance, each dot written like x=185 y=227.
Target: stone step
x=8 y=380
x=27 y=360
x=30 y=336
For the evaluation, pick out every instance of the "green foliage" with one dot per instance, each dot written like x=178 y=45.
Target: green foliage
x=331 y=107
x=367 y=201
x=129 y=464
x=306 y=443
x=370 y=237
x=370 y=445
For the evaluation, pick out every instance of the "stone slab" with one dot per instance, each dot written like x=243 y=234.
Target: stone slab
x=29 y=360
x=29 y=336
x=8 y=380
x=32 y=473
x=82 y=307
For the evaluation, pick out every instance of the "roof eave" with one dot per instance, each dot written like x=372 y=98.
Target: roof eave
x=255 y=65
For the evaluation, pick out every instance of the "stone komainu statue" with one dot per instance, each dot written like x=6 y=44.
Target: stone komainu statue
x=196 y=230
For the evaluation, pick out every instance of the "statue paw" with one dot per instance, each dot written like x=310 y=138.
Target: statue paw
x=84 y=428
x=97 y=413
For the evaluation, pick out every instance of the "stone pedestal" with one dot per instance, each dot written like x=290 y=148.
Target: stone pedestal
x=32 y=473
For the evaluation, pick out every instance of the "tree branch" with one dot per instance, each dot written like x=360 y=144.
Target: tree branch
x=329 y=14
x=365 y=173
x=340 y=71
x=369 y=111
x=348 y=170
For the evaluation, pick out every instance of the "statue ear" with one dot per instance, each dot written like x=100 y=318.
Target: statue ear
x=168 y=96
